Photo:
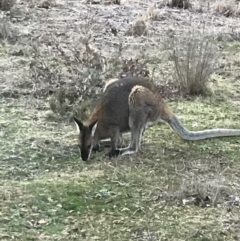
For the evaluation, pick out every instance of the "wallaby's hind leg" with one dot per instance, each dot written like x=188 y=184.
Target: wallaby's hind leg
x=137 y=120
x=143 y=110
x=135 y=143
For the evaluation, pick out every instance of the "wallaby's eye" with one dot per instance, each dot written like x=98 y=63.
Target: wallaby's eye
x=89 y=146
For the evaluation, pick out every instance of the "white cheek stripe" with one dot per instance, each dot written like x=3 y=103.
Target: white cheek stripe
x=92 y=134
x=78 y=129
x=90 y=152
x=94 y=129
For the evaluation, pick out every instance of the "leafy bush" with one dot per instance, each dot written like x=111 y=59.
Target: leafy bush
x=6 y=5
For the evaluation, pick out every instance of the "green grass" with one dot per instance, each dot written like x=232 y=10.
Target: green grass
x=48 y=193
x=171 y=190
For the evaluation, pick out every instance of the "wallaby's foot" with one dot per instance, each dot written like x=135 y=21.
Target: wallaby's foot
x=127 y=151
x=114 y=153
x=105 y=143
x=96 y=148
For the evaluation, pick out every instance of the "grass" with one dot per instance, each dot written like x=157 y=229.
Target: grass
x=48 y=193
x=171 y=190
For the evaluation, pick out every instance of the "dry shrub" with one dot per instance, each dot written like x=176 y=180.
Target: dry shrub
x=138 y=28
x=203 y=192
x=105 y=2
x=88 y=69
x=227 y=8
x=237 y=11
x=71 y=75
x=185 y=4
x=6 y=5
x=8 y=34
x=134 y=67
x=77 y=97
x=155 y=14
x=4 y=29
x=194 y=56
x=47 y=4
x=109 y=2
x=68 y=101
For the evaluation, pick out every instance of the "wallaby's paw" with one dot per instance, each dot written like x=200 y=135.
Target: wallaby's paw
x=115 y=153
x=105 y=143
x=96 y=148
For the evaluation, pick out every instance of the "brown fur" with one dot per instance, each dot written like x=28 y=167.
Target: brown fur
x=109 y=82
x=111 y=113
x=131 y=104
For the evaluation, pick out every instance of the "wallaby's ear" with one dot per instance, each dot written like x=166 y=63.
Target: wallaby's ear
x=92 y=125
x=78 y=123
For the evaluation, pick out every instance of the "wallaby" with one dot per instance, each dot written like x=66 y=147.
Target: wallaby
x=131 y=104
x=109 y=83
x=109 y=118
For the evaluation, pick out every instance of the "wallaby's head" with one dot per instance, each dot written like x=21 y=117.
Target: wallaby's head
x=84 y=138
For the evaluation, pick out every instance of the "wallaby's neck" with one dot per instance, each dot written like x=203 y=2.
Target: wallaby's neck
x=93 y=117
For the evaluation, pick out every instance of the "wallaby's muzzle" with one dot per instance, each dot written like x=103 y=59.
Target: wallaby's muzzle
x=85 y=155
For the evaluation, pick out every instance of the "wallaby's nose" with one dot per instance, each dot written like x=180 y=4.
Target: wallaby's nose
x=84 y=158
x=84 y=155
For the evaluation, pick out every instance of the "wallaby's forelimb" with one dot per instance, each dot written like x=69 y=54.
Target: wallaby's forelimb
x=115 y=134
x=107 y=142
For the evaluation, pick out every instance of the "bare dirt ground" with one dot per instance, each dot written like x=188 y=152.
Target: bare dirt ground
x=171 y=189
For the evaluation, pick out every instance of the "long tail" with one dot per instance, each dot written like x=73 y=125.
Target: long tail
x=184 y=133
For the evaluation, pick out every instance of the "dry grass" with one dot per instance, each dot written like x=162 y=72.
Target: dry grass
x=138 y=28
x=227 y=8
x=6 y=5
x=4 y=30
x=108 y=2
x=47 y=188
x=170 y=190
x=47 y=4
x=154 y=14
